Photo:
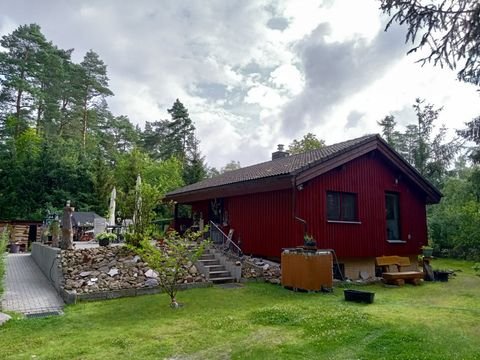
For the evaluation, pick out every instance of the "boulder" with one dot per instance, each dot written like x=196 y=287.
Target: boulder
x=151 y=282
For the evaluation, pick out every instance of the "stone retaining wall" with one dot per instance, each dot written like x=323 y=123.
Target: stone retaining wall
x=111 y=269
x=48 y=260
x=71 y=297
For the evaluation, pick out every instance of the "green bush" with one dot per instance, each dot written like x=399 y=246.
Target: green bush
x=3 y=249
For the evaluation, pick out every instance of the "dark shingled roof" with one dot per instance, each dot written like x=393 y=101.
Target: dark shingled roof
x=283 y=166
x=84 y=218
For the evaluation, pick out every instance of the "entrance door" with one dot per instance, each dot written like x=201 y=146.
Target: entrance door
x=32 y=233
x=392 y=210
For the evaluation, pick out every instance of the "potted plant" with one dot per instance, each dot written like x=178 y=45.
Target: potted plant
x=427 y=251
x=309 y=241
x=105 y=238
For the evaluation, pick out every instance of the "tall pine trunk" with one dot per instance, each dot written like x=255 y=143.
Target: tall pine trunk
x=85 y=123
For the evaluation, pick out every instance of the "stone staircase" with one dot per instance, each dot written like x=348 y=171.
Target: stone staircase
x=214 y=266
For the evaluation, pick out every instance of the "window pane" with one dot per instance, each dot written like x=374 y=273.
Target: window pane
x=392 y=216
x=349 y=207
x=333 y=206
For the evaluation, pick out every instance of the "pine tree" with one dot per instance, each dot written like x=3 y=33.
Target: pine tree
x=19 y=67
x=194 y=167
x=180 y=133
x=94 y=85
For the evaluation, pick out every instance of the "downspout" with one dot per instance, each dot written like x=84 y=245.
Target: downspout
x=294 y=206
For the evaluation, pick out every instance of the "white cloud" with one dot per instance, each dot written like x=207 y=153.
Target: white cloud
x=250 y=82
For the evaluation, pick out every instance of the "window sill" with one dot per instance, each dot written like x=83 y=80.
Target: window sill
x=396 y=241
x=344 y=222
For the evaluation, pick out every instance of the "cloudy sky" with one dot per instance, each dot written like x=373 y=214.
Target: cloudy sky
x=253 y=74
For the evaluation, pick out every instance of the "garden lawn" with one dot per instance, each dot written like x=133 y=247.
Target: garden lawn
x=262 y=321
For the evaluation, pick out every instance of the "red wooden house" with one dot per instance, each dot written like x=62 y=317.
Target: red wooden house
x=358 y=197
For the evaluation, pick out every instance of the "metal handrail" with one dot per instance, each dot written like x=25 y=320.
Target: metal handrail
x=222 y=240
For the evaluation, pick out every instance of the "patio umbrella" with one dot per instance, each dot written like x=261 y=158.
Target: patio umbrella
x=138 y=201
x=111 y=208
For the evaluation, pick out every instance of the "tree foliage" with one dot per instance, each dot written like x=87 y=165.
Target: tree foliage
x=450 y=30
x=454 y=223
x=472 y=133
x=307 y=143
x=429 y=153
x=59 y=140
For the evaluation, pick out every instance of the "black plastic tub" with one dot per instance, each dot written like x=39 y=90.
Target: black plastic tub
x=359 y=296
x=441 y=276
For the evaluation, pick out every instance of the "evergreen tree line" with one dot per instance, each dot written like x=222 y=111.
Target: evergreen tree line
x=452 y=166
x=59 y=141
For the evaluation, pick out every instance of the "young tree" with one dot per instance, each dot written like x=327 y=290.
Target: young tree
x=173 y=259
x=307 y=143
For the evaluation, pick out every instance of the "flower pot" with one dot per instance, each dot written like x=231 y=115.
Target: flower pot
x=14 y=248
x=103 y=242
x=359 y=296
x=427 y=252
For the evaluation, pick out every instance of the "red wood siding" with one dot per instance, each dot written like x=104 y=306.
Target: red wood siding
x=264 y=222
x=370 y=178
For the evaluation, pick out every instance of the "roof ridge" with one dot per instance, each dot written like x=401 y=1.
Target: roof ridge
x=282 y=166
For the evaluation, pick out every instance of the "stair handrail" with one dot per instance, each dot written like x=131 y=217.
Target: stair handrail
x=226 y=241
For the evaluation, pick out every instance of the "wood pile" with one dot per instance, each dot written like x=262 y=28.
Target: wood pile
x=19 y=233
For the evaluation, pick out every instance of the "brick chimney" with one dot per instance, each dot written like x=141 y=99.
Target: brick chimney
x=280 y=153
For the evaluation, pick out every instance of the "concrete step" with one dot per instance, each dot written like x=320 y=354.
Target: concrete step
x=207 y=257
x=222 y=279
x=210 y=262
x=211 y=268
x=219 y=274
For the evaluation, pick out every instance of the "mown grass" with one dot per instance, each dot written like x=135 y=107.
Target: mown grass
x=261 y=321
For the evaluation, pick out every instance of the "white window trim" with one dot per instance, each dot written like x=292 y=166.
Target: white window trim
x=396 y=241
x=344 y=222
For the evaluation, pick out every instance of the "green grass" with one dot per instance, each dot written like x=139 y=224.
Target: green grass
x=261 y=321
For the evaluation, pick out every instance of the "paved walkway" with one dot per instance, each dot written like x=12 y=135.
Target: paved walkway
x=27 y=290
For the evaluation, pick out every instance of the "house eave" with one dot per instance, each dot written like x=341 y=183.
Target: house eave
x=273 y=183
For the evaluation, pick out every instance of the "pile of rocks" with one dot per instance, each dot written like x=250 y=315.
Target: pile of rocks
x=111 y=268
x=253 y=268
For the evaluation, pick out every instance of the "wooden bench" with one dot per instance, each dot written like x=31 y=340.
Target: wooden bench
x=398 y=277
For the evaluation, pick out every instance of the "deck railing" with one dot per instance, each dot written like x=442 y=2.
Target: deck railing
x=224 y=242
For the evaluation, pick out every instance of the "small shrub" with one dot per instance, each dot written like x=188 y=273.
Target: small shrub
x=476 y=267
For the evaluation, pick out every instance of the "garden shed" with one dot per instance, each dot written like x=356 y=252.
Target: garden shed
x=358 y=197
x=22 y=232
x=83 y=221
